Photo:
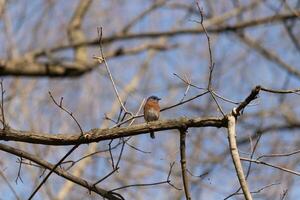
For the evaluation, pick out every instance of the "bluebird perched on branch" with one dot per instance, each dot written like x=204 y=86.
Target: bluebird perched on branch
x=151 y=111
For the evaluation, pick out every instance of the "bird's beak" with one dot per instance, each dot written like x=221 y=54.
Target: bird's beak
x=159 y=99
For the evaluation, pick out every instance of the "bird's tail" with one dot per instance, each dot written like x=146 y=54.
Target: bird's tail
x=152 y=135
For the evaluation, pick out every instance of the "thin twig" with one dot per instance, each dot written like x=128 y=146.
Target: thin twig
x=200 y=88
x=211 y=64
x=284 y=194
x=29 y=163
x=2 y=106
x=265 y=187
x=139 y=17
x=109 y=119
x=111 y=155
x=125 y=141
x=138 y=111
x=88 y=155
x=106 y=176
x=295 y=91
x=169 y=175
x=252 y=154
x=185 y=93
x=139 y=185
x=188 y=82
x=135 y=148
x=60 y=172
x=217 y=103
x=163 y=109
x=257 y=191
x=271 y=165
x=225 y=99
x=19 y=171
x=121 y=152
x=279 y=154
x=151 y=184
x=52 y=170
x=101 y=60
x=120 y=113
x=183 y=102
x=60 y=105
x=199 y=176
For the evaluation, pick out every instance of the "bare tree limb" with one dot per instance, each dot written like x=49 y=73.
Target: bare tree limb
x=271 y=165
x=251 y=97
x=28 y=66
x=135 y=20
x=184 y=175
x=176 y=32
x=60 y=105
x=269 y=54
x=103 y=60
x=290 y=91
x=58 y=171
x=236 y=157
x=96 y=135
x=168 y=181
x=75 y=32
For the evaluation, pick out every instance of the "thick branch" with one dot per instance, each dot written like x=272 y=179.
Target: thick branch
x=96 y=135
x=52 y=67
x=236 y=157
x=75 y=32
x=269 y=54
x=185 y=179
x=176 y=32
x=58 y=171
x=251 y=97
x=29 y=67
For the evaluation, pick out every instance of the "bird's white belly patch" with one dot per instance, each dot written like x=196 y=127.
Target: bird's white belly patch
x=152 y=115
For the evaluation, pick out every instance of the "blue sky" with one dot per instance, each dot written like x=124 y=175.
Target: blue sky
x=41 y=24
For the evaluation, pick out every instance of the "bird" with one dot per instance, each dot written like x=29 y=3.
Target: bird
x=151 y=111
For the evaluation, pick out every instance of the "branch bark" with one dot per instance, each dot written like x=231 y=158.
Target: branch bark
x=75 y=32
x=185 y=179
x=28 y=66
x=58 y=171
x=96 y=135
x=236 y=157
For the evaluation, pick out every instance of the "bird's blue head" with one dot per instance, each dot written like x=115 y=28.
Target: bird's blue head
x=155 y=98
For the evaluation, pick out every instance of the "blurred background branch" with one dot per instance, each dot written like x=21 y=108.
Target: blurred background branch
x=49 y=45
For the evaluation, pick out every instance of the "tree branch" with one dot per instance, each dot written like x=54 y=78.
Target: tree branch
x=58 y=171
x=271 y=165
x=236 y=157
x=96 y=135
x=185 y=179
x=269 y=54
